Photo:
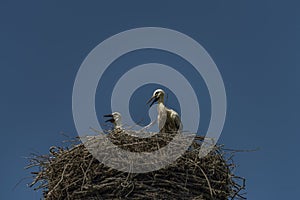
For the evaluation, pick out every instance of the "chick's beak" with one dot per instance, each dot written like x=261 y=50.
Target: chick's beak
x=111 y=118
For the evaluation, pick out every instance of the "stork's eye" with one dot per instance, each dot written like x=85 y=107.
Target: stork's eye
x=156 y=93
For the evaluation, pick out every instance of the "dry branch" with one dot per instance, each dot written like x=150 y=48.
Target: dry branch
x=73 y=173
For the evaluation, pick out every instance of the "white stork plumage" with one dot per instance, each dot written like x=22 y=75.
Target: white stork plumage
x=168 y=120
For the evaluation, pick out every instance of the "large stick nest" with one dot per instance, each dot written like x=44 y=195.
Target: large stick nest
x=73 y=173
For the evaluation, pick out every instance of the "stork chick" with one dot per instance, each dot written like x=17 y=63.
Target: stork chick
x=168 y=120
x=115 y=119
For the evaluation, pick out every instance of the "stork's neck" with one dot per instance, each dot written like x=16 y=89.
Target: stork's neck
x=161 y=100
x=160 y=107
x=118 y=123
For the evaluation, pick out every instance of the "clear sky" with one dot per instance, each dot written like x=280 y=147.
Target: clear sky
x=255 y=44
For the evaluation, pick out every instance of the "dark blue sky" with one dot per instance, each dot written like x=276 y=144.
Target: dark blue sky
x=254 y=43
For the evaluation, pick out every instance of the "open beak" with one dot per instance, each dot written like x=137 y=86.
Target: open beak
x=153 y=99
x=112 y=120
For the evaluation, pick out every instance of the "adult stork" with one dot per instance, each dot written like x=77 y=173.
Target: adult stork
x=168 y=120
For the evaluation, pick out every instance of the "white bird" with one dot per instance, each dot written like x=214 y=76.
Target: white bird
x=168 y=120
x=116 y=119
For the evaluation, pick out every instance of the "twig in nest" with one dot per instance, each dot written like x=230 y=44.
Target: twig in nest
x=74 y=173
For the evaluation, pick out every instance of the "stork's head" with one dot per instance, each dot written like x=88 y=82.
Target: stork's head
x=115 y=118
x=158 y=96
